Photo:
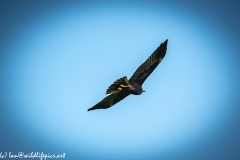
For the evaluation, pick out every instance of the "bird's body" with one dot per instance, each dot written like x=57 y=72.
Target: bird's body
x=123 y=87
x=135 y=89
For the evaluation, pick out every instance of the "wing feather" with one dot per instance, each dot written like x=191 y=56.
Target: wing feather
x=141 y=74
x=110 y=100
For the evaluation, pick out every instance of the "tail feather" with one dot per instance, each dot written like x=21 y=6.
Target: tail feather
x=115 y=87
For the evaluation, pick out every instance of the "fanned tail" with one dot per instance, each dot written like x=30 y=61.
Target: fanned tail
x=118 y=85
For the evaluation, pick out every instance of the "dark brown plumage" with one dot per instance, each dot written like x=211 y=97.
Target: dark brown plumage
x=123 y=87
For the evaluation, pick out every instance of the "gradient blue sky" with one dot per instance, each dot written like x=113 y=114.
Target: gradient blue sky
x=59 y=57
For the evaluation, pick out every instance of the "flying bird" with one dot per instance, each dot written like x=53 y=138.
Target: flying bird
x=123 y=87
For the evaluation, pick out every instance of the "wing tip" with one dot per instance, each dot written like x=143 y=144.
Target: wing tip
x=90 y=109
x=163 y=46
x=165 y=42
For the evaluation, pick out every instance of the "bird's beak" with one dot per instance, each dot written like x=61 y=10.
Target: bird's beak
x=143 y=90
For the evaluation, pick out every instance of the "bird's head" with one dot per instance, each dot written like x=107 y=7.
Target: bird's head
x=140 y=91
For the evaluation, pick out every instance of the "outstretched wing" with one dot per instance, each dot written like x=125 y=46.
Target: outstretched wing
x=110 y=100
x=141 y=74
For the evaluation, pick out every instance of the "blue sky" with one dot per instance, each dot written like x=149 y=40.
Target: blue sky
x=58 y=58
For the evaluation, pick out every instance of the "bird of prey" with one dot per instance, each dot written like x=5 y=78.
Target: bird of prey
x=123 y=87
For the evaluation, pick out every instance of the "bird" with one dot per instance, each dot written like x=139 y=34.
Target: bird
x=123 y=87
